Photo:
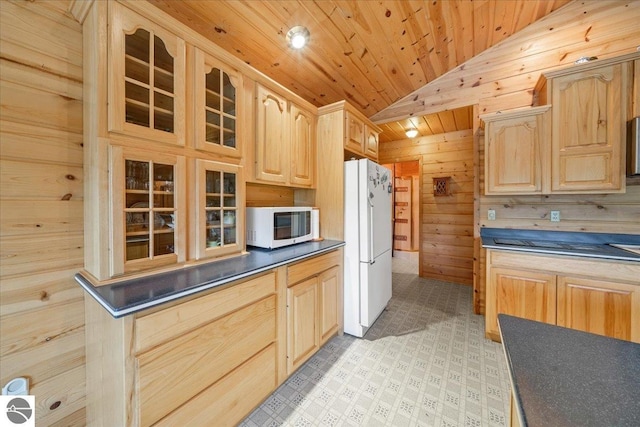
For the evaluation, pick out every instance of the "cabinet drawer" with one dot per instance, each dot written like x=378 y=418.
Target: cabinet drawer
x=312 y=266
x=162 y=326
x=171 y=374
x=228 y=401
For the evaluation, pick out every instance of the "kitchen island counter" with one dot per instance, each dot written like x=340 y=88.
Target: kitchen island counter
x=132 y=295
x=564 y=377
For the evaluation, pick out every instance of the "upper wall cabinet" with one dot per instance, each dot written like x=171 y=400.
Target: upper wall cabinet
x=285 y=141
x=515 y=151
x=146 y=78
x=361 y=137
x=218 y=99
x=588 y=125
x=148 y=210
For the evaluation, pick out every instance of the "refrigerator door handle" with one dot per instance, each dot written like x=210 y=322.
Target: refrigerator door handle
x=371 y=256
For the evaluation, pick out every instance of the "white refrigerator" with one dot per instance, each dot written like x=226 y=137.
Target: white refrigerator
x=368 y=237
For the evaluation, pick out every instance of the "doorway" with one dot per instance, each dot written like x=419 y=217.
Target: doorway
x=406 y=211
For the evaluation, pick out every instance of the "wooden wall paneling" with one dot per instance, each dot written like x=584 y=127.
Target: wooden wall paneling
x=446 y=235
x=41 y=203
x=68 y=389
x=269 y=195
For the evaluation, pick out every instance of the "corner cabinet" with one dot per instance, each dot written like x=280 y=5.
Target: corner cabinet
x=515 y=151
x=588 y=124
x=146 y=84
x=588 y=294
x=285 y=141
x=314 y=301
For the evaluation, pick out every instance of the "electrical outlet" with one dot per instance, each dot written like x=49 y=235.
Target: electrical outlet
x=491 y=215
x=555 y=216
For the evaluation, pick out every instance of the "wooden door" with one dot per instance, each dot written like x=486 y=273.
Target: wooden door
x=272 y=139
x=303 y=132
x=527 y=294
x=588 y=130
x=600 y=307
x=330 y=292
x=302 y=321
x=402 y=236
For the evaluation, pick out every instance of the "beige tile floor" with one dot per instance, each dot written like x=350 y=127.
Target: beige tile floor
x=425 y=362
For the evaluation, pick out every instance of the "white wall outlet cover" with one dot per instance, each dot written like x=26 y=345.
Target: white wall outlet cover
x=555 y=216
x=491 y=215
x=16 y=387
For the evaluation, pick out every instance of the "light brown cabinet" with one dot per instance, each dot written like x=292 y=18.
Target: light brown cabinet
x=146 y=84
x=361 y=136
x=599 y=306
x=521 y=293
x=516 y=151
x=285 y=141
x=167 y=365
x=218 y=105
x=302 y=313
x=314 y=301
x=148 y=210
x=598 y=296
x=588 y=125
x=142 y=166
x=218 y=228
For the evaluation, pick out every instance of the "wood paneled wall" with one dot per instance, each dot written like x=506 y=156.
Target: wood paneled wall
x=41 y=201
x=446 y=251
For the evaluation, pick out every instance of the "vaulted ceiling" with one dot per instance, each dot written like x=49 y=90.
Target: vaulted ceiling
x=371 y=53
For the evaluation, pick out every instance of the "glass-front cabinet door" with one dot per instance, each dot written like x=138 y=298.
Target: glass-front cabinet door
x=147 y=78
x=220 y=209
x=147 y=210
x=218 y=101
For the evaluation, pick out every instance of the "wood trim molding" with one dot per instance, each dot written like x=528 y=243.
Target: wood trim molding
x=79 y=9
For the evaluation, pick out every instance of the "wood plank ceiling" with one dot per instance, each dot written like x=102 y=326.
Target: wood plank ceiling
x=371 y=53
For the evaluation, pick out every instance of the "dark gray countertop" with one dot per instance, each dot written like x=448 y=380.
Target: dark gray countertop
x=592 y=245
x=564 y=377
x=129 y=296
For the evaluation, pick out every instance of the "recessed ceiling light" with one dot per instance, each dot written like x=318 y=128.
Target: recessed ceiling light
x=411 y=132
x=297 y=37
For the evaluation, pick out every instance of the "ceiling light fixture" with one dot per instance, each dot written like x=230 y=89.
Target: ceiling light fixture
x=297 y=37
x=411 y=133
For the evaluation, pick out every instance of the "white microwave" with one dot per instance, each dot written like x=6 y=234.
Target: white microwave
x=275 y=227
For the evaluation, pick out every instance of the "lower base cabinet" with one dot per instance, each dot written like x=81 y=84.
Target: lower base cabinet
x=600 y=306
x=206 y=361
x=597 y=296
x=211 y=358
x=313 y=296
x=521 y=293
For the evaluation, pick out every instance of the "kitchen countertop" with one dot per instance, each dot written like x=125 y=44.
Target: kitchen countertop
x=592 y=245
x=564 y=377
x=133 y=295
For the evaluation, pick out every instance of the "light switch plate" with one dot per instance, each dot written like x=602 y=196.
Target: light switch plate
x=491 y=215
x=555 y=216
